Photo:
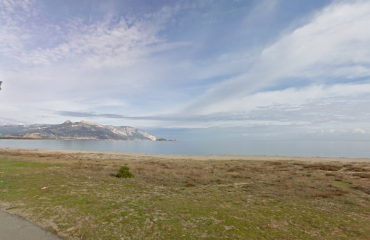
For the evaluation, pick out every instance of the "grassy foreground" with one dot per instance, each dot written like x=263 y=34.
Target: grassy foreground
x=186 y=199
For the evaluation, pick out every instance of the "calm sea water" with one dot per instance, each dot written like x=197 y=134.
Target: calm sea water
x=281 y=148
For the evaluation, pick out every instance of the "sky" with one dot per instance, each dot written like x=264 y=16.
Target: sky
x=190 y=69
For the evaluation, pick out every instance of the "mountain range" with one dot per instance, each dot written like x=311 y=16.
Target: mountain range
x=74 y=130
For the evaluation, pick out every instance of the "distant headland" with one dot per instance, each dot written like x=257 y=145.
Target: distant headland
x=74 y=131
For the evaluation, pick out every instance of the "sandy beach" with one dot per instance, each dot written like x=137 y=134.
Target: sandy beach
x=116 y=155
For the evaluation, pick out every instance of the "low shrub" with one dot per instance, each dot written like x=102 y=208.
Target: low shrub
x=124 y=172
x=330 y=194
x=363 y=189
x=325 y=167
x=362 y=175
x=356 y=169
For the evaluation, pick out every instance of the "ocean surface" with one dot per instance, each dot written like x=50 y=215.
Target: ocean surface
x=357 y=149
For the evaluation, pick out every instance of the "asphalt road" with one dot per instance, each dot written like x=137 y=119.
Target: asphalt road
x=13 y=227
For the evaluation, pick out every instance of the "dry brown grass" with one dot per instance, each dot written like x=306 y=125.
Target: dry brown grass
x=325 y=167
x=361 y=175
x=358 y=168
x=264 y=194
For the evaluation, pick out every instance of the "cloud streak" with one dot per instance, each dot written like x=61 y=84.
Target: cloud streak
x=189 y=64
x=331 y=45
x=109 y=42
x=309 y=105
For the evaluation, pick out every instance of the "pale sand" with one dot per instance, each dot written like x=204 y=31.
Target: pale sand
x=184 y=157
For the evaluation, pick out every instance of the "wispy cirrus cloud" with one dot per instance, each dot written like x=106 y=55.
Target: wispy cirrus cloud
x=331 y=46
x=188 y=64
x=110 y=42
x=318 y=104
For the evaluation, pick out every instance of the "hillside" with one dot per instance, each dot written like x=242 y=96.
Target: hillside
x=74 y=130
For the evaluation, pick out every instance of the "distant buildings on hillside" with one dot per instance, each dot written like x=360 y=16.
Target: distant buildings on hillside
x=164 y=140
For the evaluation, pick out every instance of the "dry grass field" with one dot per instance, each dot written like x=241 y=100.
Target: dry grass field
x=77 y=196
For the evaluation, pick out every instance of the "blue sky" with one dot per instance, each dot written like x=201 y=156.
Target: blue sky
x=190 y=70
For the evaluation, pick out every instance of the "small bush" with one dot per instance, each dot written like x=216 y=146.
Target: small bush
x=363 y=189
x=236 y=169
x=124 y=172
x=330 y=194
x=325 y=167
x=356 y=169
x=362 y=175
x=189 y=184
x=234 y=174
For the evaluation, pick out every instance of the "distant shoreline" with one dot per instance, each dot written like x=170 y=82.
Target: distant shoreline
x=11 y=138
x=74 y=139
x=185 y=157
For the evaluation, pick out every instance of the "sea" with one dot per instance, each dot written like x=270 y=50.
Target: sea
x=349 y=149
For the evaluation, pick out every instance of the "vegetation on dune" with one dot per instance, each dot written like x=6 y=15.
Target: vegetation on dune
x=78 y=196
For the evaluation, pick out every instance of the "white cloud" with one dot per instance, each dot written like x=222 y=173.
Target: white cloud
x=333 y=44
x=82 y=66
x=294 y=97
x=105 y=43
x=359 y=131
x=122 y=66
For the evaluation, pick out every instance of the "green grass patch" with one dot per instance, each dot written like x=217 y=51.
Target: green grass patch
x=9 y=164
x=342 y=184
x=267 y=201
